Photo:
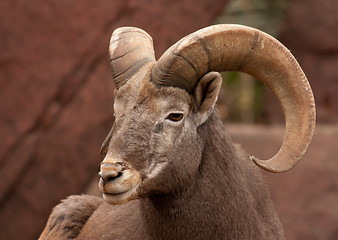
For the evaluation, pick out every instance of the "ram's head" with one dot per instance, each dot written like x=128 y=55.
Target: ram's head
x=155 y=145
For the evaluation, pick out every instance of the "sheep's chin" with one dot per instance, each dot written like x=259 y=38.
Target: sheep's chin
x=123 y=197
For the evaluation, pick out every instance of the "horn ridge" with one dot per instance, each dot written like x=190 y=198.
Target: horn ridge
x=123 y=54
x=123 y=76
x=250 y=53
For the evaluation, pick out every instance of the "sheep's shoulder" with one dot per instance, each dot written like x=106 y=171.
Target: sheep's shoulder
x=115 y=222
x=68 y=218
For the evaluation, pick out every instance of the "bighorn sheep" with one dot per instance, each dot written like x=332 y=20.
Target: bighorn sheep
x=168 y=150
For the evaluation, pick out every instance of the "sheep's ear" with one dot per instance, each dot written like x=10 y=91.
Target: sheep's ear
x=205 y=95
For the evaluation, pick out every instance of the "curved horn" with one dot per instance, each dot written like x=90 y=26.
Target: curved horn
x=248 y=50
x=129 y=49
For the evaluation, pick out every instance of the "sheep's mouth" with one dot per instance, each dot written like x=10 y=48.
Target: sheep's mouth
x=116 y=198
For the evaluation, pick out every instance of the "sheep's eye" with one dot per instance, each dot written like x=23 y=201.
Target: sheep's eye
x=175 y=117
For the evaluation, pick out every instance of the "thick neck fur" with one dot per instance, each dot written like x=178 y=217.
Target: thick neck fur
x=228 y=199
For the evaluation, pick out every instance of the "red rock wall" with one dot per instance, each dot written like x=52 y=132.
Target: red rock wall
x=56 y=93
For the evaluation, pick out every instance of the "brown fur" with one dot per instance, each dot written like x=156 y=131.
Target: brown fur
x=208 y=190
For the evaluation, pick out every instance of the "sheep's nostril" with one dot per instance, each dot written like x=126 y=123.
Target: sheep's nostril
x=106 y=178
x=112 y=178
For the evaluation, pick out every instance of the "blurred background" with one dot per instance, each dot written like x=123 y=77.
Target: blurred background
x=56 y=100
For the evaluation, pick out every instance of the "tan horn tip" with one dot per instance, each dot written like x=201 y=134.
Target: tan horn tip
x=274 y=165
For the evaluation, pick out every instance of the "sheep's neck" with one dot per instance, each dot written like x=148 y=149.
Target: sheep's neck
x=201 y=210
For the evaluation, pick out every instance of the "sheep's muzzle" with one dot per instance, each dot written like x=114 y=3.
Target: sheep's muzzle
x=119 y=182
